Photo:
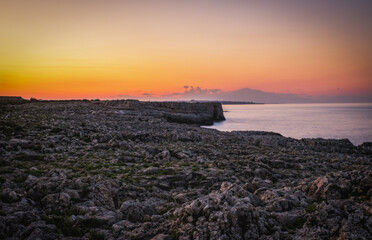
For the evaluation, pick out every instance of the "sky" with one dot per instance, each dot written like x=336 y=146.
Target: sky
x=52 y=49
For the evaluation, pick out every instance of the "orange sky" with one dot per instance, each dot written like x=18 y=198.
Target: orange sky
x=101 y=49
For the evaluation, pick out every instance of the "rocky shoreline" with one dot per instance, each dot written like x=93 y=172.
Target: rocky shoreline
x=134 y=170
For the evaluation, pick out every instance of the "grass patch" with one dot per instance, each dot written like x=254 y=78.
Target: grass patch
x=310 y=208
x=20 y=179
x=176 y=235
x=27 y=157
x=11 y=128
x=298 y=223
x=201 y=178
x=4 y=170
x=366 y=213
x=91 y=167
x=155 y=164
x=127 y=179
x=313 y=221
x=85 y=191
x=56 y=130
x=185 y=164
x=195 y=167
x=85 y=139
x=145 y=165
x=92 y=223
x=94 y=235
x=76 y=175
x=36 y=173
x=110 y=174
x=63 y=226
x=6 y=198
x=170 y=164
x=130 y=170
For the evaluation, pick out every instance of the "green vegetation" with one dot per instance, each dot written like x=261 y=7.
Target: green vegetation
x=20 y=178
x=195 y=167
x=110 y=174
x=36 y=173
x=185 y=164
x=85 y=139
x=313 y=221
x=94 y=235
x=298 y=223
x=366 y=213
x=2 y=213
x=85 y=191
x=127 y=179
x=91 y=167
x=6 y=198
x=175 y=235
x=63 y=225
x=310 y=208
x=10 y=128
x=4 y=170
x=92 y=223
x=56 y=130
x=76 y=175
x=61 y=220
x=27 y=157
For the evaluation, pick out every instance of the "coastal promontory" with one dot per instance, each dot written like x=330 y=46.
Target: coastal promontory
x=127 y=169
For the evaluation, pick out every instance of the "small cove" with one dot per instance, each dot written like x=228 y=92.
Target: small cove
x=329 y=120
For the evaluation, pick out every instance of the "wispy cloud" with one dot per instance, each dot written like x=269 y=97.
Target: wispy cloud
x=191 y=91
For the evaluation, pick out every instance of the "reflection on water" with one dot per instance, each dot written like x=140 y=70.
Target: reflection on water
x=336 y=121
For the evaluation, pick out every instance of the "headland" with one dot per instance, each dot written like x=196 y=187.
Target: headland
x=145 y=170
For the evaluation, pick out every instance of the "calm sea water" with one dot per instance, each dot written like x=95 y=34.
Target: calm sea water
x=333 y=121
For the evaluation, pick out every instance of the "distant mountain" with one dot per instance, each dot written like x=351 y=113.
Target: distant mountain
x=247 y=95
x=258 y=96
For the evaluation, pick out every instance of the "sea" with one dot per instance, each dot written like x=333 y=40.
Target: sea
x=329 y=121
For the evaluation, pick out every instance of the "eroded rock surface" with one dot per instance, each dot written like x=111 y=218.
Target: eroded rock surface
x=123 y=170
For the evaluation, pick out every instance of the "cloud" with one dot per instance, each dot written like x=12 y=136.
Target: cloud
x=191 y=92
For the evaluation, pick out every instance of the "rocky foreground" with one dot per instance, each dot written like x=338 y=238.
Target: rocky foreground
x=107 y=170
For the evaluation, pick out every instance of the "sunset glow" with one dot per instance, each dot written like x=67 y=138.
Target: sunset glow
x=104 y=49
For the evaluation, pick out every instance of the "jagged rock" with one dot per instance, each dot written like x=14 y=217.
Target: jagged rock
x=132 y=211
x=151 y=170
x=40 y=187
x=105 y=193
x=124 y=225
x=135 y=211
x=322 y=189
x=262 y=173
x=56 y=202
x=39 y=230
x=120 y=170
x=200 y=119
x=161 y=236
x=164 y=155
x=182 y=155
x=221 y=214
x=19 y=142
